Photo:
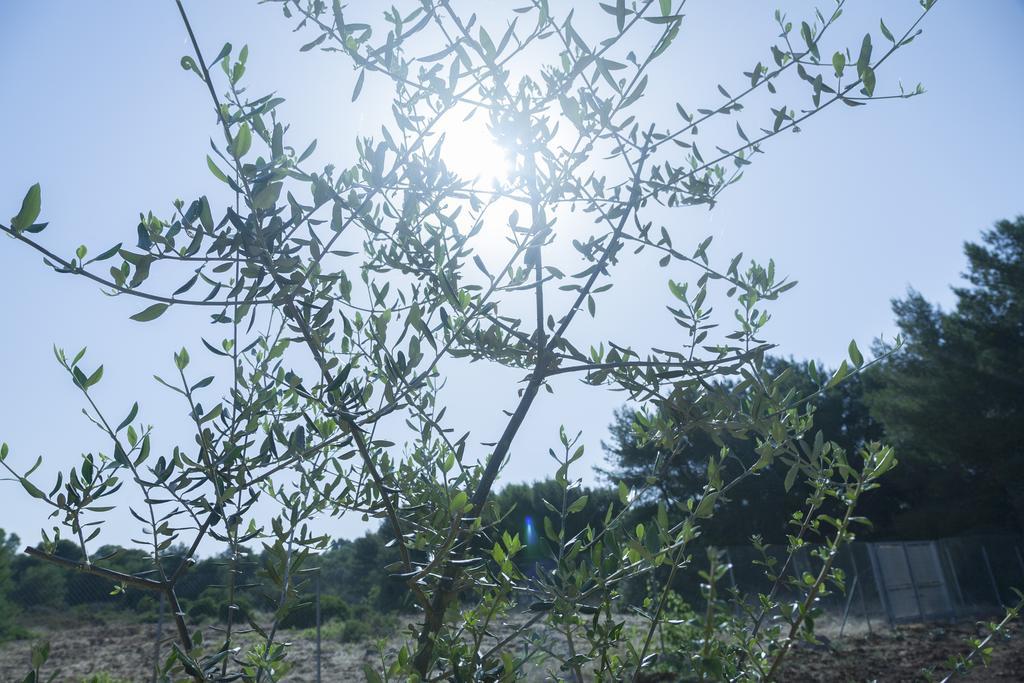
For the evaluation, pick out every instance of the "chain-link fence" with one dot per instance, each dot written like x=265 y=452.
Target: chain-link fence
x=887 y=584
x=897 y=582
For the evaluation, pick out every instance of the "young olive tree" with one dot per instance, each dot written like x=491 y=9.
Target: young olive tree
x=341 y=297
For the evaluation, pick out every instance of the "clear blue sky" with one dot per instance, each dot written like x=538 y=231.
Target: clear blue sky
x=858 y=207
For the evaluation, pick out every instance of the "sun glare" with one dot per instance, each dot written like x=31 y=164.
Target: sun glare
x=471 y=151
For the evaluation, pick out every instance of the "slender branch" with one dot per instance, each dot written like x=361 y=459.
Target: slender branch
x=77 y=270
x=682 y=365
x=815 y=588
x=89 y=568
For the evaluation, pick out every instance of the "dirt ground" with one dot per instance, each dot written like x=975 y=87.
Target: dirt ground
x=904 y=655
x=126 y=651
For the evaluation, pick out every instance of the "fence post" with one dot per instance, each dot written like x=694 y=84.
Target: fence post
x=156 y=642
x=849 y=601
x=883 y=592
x=318 y=657
x=991 y=575
x=956 y=581
x=856 y=579
x=913 y=581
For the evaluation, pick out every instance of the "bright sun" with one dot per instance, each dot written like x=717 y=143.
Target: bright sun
x=470 y=150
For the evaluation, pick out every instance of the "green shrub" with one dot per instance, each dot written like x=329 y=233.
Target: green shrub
x=9 y=630
x=147 y=608
x=356 y=629
x=303 y=615
x=39 y=585
x=213 y=603
x=203 y=608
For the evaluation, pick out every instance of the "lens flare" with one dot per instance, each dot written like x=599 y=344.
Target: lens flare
x=471 y=151
x=529 y=533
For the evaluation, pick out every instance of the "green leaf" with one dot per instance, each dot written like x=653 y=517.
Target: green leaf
x=864 y=60
x=32 y=489
x=578 y=504
x=868 y=76
x=151 y=313
x=839 y=63
x=217 y=173
x=839 y=375
x=885 y=31
x=359 y=85
x=224 y=52
x=94 y=377
x=267 y=196
x=205 y=215
x=662 y=515
x=808 y=36
x=571 y=109
x=549 y=529
x=678 y=291
x=109 y=253
x=243 y=141
x=884 y=462
x=739 y=130
x=458 y=503
x=145 y=241
x=486 y=43
x=855 y=354
x=706 y=506
x=189 y=64
x=309 y=150
x=120 y=457
x=666 y=7
x=277 y=141
x=791 y=476
x=30 y=206
x=313 y=43
x=339 y=19
x=40 y=653
x=498 y=554
x=213 y=414
x=128 y=420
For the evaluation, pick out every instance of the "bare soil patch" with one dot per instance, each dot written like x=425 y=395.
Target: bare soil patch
x=904 y=655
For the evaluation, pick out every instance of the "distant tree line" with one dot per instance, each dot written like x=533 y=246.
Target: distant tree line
x=950 y=399
x=354 y=586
